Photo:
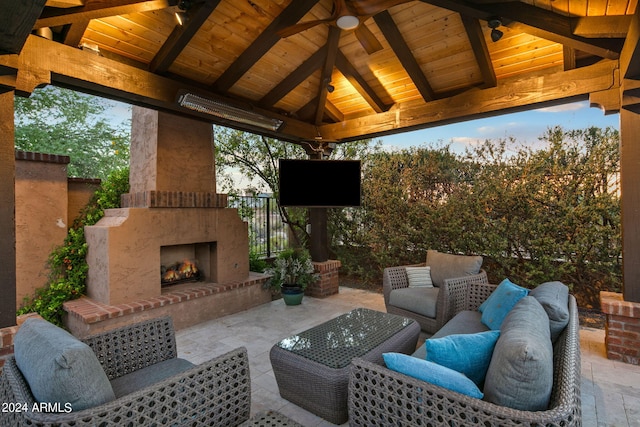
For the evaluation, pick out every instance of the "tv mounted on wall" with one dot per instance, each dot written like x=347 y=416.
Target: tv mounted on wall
x=319 y=183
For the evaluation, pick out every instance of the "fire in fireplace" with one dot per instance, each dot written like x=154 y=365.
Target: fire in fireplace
x=180 y=272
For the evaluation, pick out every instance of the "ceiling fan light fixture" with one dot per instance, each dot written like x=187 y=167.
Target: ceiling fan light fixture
x=348 y=22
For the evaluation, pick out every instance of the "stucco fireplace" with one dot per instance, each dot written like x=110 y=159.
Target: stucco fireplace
x=171 y=212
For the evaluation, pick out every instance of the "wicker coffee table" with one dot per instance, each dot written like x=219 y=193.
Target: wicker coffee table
x=312 y=367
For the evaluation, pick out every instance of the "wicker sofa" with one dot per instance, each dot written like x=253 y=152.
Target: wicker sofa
x=381 y=397
x=430 y=306
x=151 y=385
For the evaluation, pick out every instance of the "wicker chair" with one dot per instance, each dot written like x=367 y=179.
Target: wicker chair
x=381 y=397
x=396 y=278
x=217 y=392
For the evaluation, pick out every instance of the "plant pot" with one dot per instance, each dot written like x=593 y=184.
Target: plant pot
x=292 y=294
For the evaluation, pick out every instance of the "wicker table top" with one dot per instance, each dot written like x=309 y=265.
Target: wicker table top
x=336 y=342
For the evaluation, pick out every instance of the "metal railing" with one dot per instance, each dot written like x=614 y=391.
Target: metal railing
x=267 y=233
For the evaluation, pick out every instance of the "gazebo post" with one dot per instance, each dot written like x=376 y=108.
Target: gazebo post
x=7 y=211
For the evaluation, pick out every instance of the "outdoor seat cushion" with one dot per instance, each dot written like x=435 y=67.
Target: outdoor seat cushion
x=148 y=376
x=448 y=266
x=554 y=298
x=465 y=322
x=59 y=368
x=520 y=375
x=421 y=300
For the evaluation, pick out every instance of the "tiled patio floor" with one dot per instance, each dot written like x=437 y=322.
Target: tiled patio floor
x=610 y=390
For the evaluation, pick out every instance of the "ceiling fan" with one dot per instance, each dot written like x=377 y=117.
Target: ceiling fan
x=350 y=15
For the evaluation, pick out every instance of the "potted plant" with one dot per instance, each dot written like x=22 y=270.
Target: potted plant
x=291 y=273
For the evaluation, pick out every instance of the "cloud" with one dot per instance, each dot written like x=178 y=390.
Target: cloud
x=574 y=106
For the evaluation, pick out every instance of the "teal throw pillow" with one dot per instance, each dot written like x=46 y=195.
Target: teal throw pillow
x=469 y=354
x=500 y=303
x=432 y=373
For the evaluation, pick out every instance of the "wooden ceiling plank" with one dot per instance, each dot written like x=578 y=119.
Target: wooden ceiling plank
x=265 y=41
x=480 y=50
x=511 y=95
x=403 y=52
x=290 y=82
x=99 y=9
x=16 y=21
x=360 y=84
x=181 y=36
x=535 y=21
x=325 y=78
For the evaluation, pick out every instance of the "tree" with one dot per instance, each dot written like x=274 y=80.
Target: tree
x=60 y=121
x=256 y=157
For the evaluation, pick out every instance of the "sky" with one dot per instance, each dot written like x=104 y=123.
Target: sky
x=526 y=127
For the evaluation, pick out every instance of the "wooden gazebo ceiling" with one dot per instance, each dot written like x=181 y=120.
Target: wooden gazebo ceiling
x=436 y=62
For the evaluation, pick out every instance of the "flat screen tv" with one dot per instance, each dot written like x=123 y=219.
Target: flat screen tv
x=319 y=183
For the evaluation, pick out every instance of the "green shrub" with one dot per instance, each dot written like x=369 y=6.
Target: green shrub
x=67 y=263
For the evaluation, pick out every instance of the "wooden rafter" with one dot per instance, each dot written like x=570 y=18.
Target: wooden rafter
x=327 y=69
x=403 y=52
x=537 y=22
x=265 y=41
x=360 y=84
x=311 y=64
x=480 y=50
x=601 y=26
x=181 y=36
x=73 y=32
x=52 y=17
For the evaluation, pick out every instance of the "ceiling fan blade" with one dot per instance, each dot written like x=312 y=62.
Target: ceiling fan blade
x=367 y=39
x=297 y=28
x=373 y=7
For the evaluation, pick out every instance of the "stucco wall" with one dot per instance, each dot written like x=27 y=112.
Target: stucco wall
x=46 y=205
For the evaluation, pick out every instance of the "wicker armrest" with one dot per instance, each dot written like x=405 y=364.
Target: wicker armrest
x=217 y=392
x=129 y=348
x=395 y=278
x=463 y=293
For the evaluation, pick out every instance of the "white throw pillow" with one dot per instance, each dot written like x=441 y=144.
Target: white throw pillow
x=419 y=277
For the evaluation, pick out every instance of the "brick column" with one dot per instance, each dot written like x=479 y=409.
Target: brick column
x=6 y=338
x=328 y=283
x=622 y=337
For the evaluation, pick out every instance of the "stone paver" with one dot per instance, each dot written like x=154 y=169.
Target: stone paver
x=610 y=390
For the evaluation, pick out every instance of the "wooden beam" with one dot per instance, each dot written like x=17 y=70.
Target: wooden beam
x=601 y=26
x=99 y=9
x=537 y=22
x=16 y=22
x=630 y=203
x=94 y=74
x=510 y=95
x=630 y=55
x=394 y=37
x=569 y=58
x=327 y=70
x=360 y=84
x=607 y=100
x=181 y=36
x=265 y=41
x=333 y=112
x=73 y=33
x=480 y=50
x=7 y=211
x=290 y=82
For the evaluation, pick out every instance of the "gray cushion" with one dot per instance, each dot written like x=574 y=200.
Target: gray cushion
x=465 y=322
x=520 y=375
x=448 y=266
x=148 y=376
x=59 y=368
x=421 y=300
x=554 y=298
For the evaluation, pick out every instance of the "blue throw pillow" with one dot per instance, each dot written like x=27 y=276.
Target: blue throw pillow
x=469 y=354
x=500 y=303
x=431 y=373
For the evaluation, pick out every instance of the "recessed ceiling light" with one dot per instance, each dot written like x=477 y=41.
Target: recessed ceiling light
x=348 y=22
